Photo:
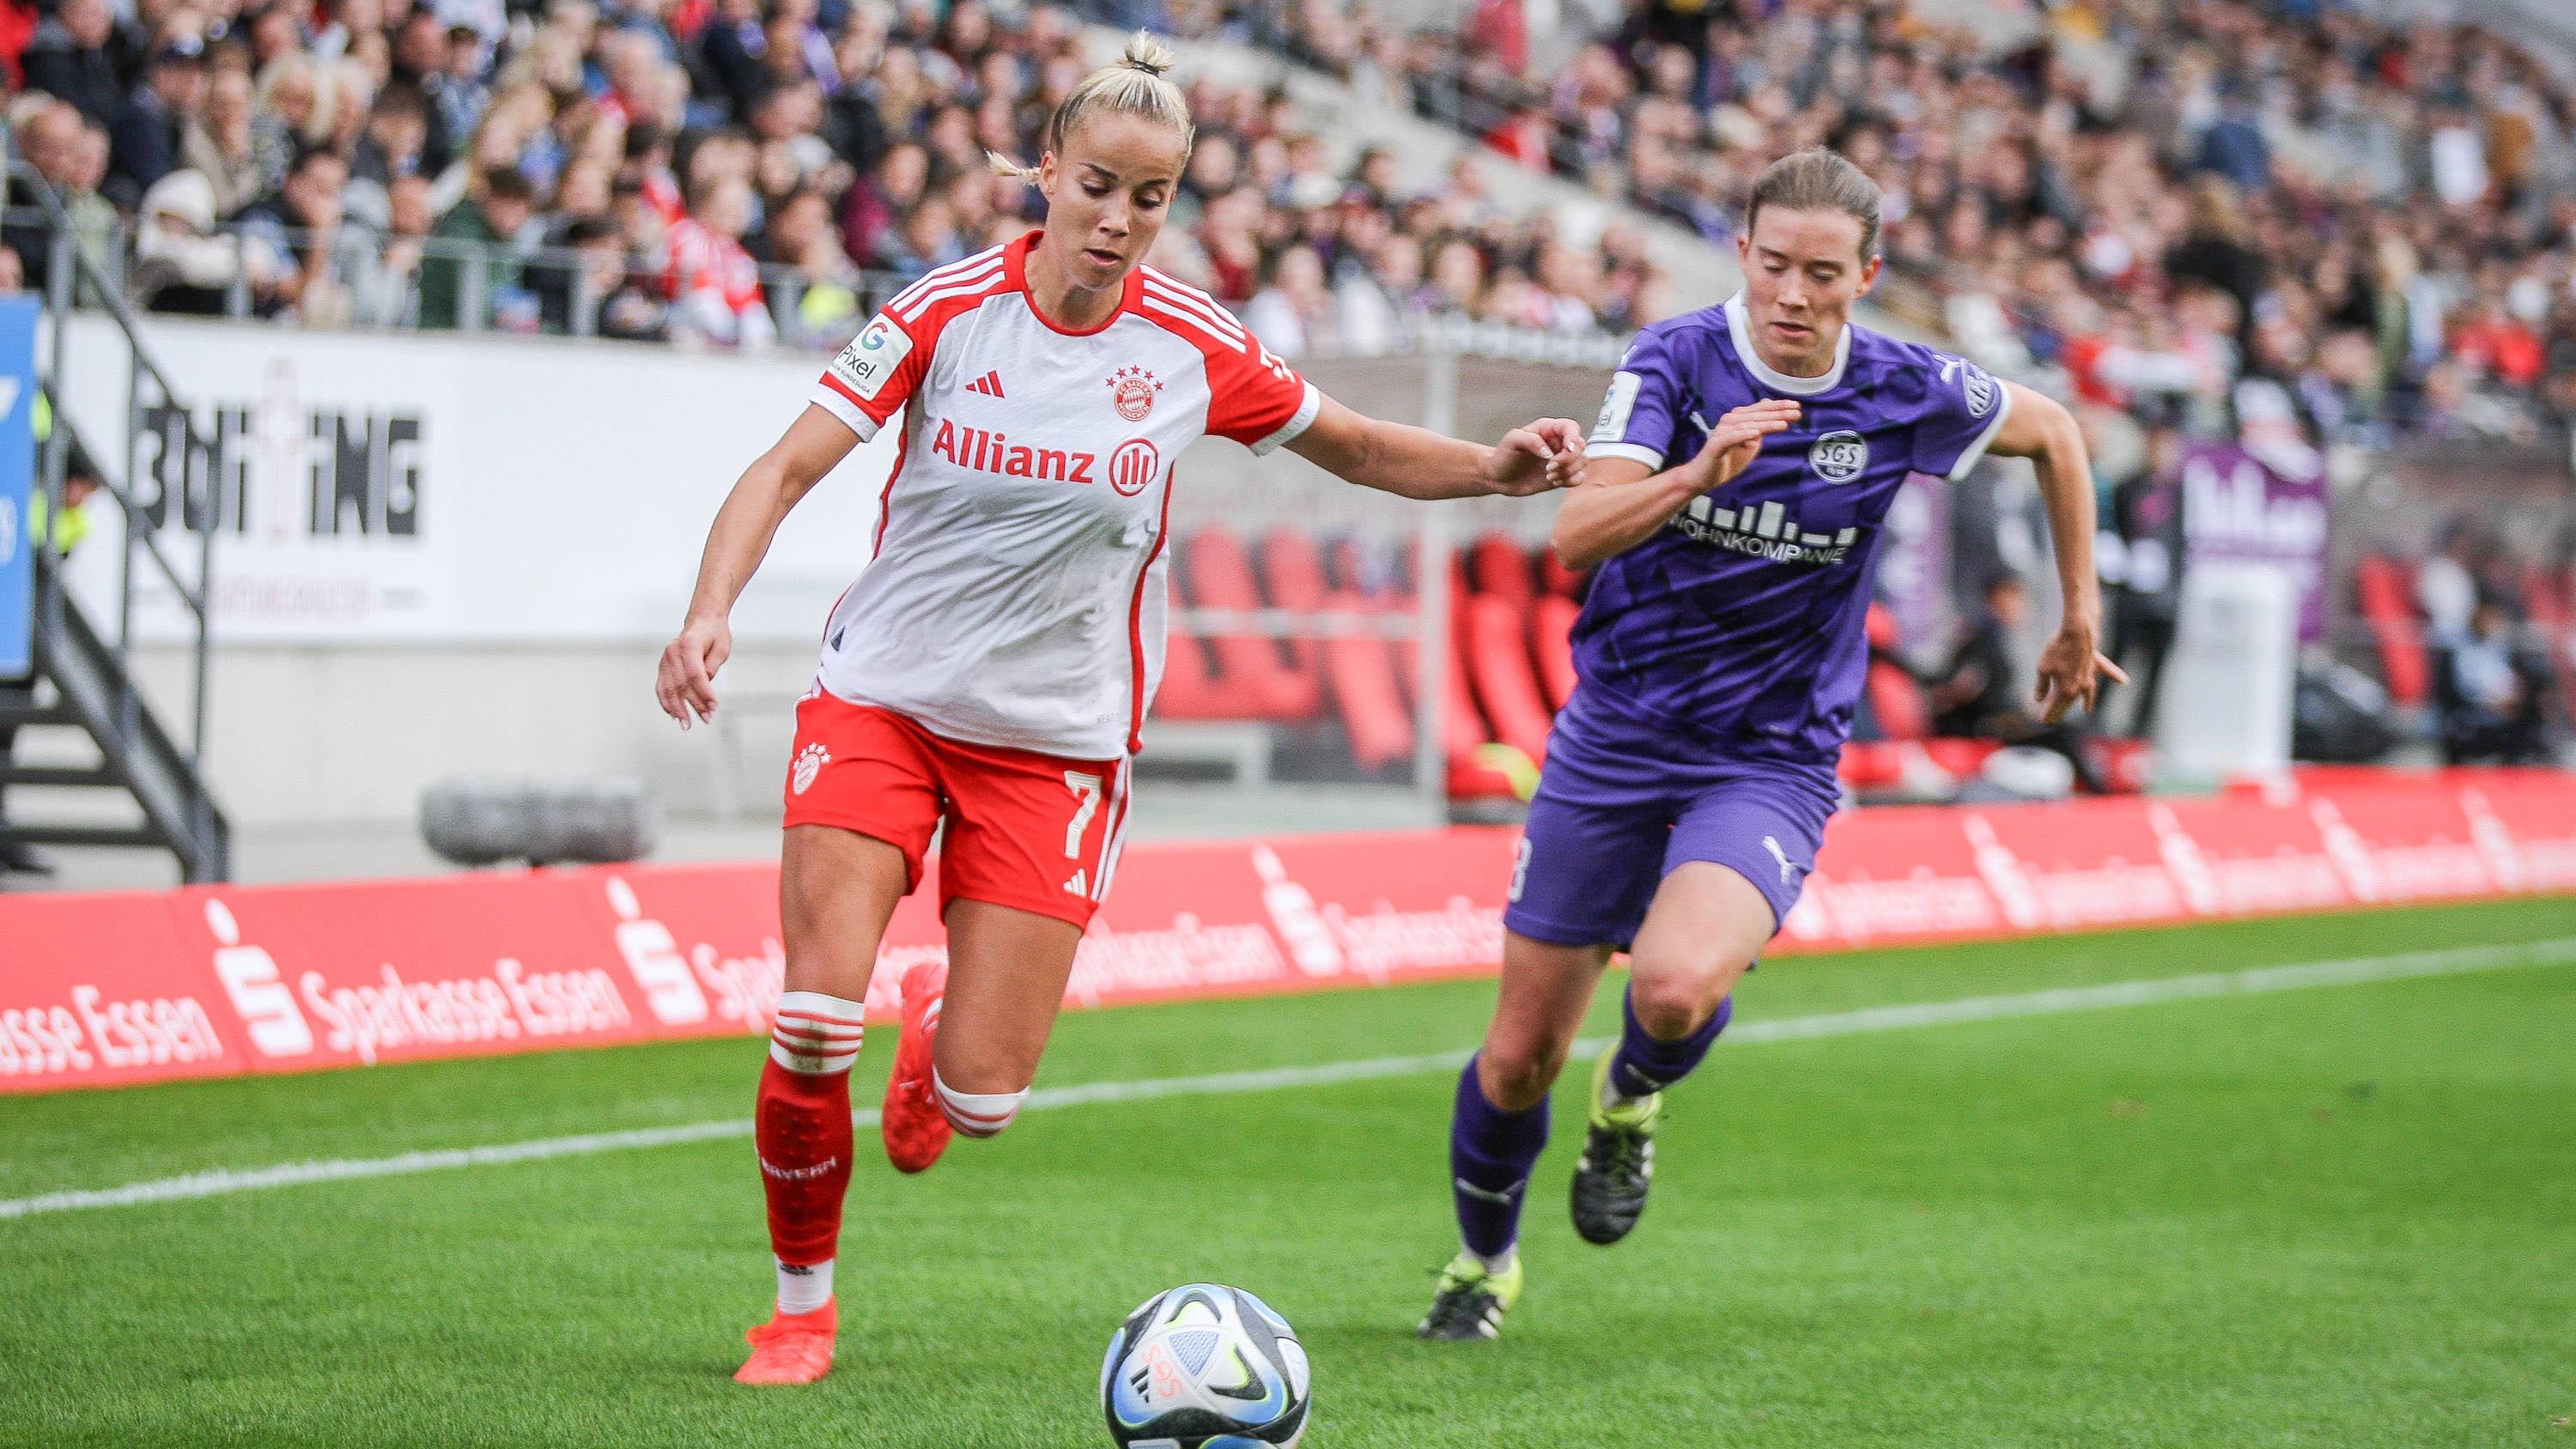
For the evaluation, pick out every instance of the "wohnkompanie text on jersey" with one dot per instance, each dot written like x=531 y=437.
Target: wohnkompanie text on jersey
x=1742 y=624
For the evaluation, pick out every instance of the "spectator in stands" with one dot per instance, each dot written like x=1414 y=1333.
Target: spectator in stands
x=1294 y=315
x=2219 y=249
x=492 y=221
x=94 y=218
x=81 y=58
x=181 y=264
x=217 y=142
x=50 y=139
x=148 y=128
x=883 y=114
x=2446 y=585
x=329 y=260
x=410 y=216
x=392 y=146
x=1975 y=696
x=2146 y=599
x=2490 y=694
x=710 y=281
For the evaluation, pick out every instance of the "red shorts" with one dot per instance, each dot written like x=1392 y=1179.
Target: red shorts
x=1036 y=832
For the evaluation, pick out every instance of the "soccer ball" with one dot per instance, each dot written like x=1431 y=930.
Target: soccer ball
x=1204 y=1366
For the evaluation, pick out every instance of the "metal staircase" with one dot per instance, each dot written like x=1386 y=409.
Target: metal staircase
x=85 y=674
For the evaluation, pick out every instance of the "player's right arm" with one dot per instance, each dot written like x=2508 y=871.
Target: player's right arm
x=1621 y=501
x=775 y=482
x=856 y=395
x=1636 y=472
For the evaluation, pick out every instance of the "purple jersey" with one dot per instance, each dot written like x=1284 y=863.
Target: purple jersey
x=1742 y=624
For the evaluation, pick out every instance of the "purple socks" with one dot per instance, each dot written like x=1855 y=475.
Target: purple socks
x=1645 y=1065
x=1491 y=1152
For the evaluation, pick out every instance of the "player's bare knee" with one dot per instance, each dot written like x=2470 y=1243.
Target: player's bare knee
x=1516 y=1075
x=1672 y=999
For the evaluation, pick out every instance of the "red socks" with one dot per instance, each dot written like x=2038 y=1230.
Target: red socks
x=802 y=1130
x=802 y=1125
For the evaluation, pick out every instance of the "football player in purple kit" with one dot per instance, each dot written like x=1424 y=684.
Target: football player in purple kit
x=1733 y=498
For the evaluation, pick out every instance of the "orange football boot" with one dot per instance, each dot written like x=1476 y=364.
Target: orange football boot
x=791 y=1348
x=916 y=1131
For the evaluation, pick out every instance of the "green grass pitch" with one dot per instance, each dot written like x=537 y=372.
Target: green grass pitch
x=2339 y=1217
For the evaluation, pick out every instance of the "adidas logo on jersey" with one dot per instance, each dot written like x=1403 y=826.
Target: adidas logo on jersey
x=986 y=451
x=990 y=385
x=1765 y=532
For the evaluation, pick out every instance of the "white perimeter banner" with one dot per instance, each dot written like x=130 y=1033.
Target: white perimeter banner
x=427 y=488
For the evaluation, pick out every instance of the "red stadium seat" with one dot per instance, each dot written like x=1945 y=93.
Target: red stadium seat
x=1498 y=666
x=1462 y=741
x=1292 y=574
x=2381 y=589
x=1872 y=764
x=1464 y=731
x=1189 y=687
x=1894 y=696
x=1559 y=580
x=1881 y=622
x=1903 y=713
x=1249 y=667
x=1962 y=758
x=1498 y=565
x=1552 y=644
x=1293 y=567
x=2127 y=765
x=1360 y=671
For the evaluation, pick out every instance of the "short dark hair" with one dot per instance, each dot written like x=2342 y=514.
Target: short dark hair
x=2001 y=579
x=402 y=99
x=307 y=154
x=1818 y=180
x=508 y=183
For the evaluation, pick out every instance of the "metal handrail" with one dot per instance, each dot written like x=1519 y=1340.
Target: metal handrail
x=69 y=264
x=86 y=268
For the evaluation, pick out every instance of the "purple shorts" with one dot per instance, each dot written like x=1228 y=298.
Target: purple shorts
x=1618 y=808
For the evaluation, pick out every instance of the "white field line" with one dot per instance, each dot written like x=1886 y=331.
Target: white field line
x=220 y=1182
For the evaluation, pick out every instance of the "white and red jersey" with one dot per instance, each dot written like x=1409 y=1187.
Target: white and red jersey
x=1016 y=590
x=697 y=258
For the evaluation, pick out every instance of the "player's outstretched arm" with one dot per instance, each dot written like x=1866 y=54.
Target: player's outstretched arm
x=1419 y=463
x=774 y=483
x=2071 y=666
x=1618 y=504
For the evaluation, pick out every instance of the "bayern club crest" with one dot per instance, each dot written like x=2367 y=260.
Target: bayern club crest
x=1133 y=389
x=809 y=763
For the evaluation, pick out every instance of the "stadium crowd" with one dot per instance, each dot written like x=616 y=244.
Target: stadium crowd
x=2280 y=216
x=717 y=171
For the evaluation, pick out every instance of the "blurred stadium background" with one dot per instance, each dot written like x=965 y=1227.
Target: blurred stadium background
x=388 y=358
x=2306 y=272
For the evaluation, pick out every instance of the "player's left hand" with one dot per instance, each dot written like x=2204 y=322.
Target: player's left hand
x=2071 y=668
x=1533 y=459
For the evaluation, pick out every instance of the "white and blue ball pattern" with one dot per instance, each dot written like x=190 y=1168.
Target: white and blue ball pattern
x=1204 y=1366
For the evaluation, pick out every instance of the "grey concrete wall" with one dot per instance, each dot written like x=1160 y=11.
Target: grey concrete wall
x=349 y=734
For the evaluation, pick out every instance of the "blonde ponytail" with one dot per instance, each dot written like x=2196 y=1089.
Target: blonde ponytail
x=1132 y=85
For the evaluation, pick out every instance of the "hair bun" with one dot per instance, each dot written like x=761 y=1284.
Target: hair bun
x=1146 y=53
